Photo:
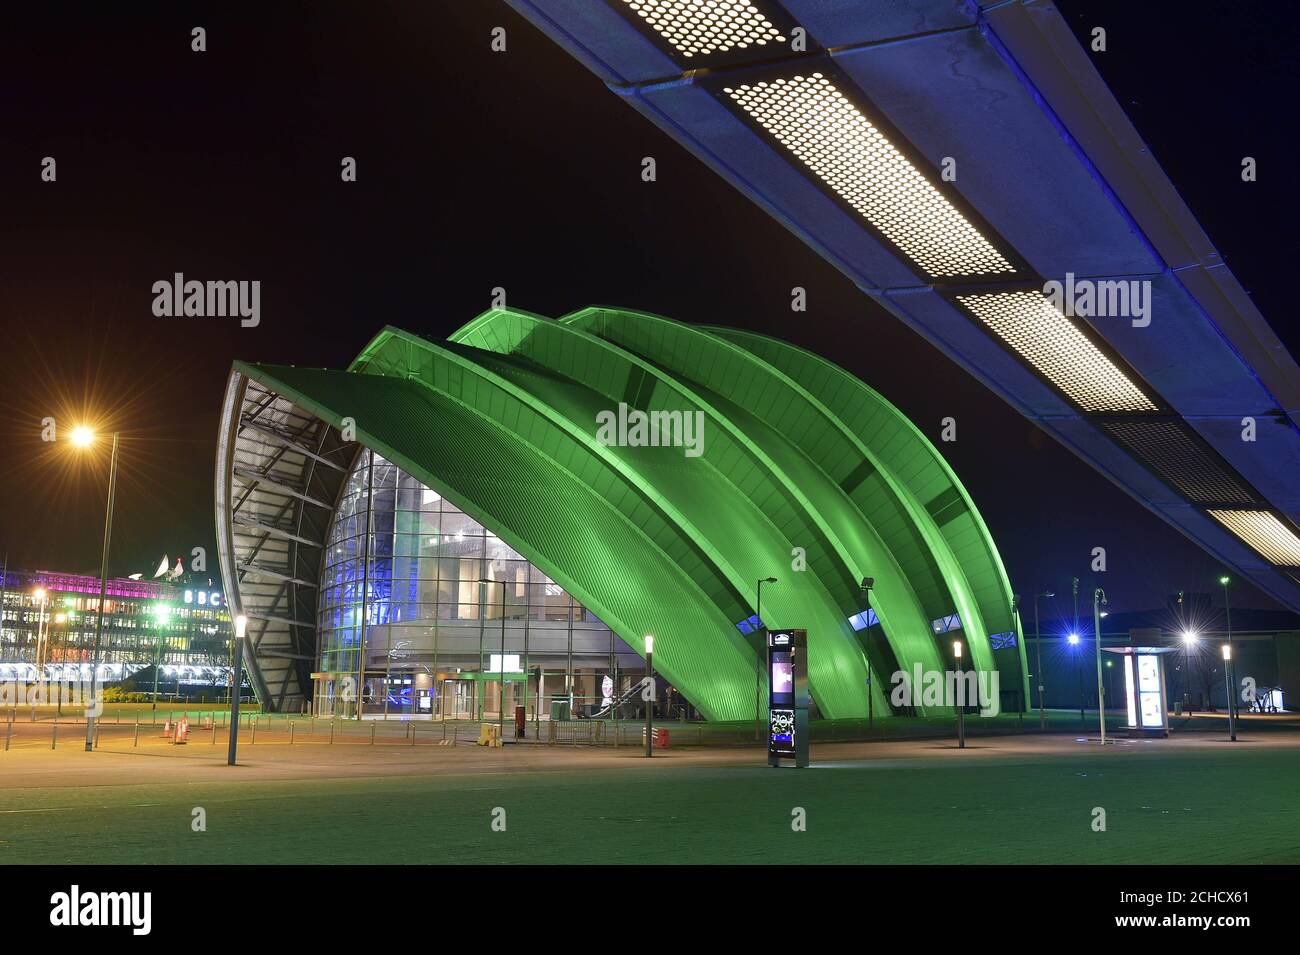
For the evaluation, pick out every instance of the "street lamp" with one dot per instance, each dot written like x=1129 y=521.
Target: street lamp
x=960 y=701
x=1038 y=644
x=650 y=695
x=501 y=662
x=241 y=624
x=83 y=437
x=867 y=584
x=1099 y=601
x=1189 y=639
x=758 y=658
x=1073 y=639
x=161 y=613
x=1227 y=680
x=1232 y=697
x=40 y=601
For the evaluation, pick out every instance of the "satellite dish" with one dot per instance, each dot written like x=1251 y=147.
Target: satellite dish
x=162 y=567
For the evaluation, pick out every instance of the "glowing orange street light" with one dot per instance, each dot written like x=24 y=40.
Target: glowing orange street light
x=84 y=437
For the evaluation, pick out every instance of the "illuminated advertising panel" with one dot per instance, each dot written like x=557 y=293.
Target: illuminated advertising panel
x=788 y=697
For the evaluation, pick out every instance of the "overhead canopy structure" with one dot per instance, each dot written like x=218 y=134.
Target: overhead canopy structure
x=952 y=157
x=775 y=463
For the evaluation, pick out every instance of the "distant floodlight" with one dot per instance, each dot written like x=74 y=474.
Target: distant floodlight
x=82 y=436
x=241 y=622
x=956 y=649
x=1190 y=636
x=1074 y=639
x=1227 y=651
x=649 y=643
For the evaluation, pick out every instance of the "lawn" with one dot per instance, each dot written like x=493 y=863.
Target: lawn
x=1238 y=806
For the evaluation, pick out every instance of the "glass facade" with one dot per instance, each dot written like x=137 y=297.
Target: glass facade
x=427 y=612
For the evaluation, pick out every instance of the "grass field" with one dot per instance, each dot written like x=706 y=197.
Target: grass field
x=1215 y=804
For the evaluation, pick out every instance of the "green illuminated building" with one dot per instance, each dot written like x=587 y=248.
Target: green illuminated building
x=554 y=490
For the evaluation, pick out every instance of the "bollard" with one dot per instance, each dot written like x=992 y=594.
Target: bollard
x=252 y=733
x=9 y=735
x=412 y=734
x=96 y=741
x=136 y=741
x=54 y=735
x=214 y=731
x=372 y=734
x=291 y=732
x=331 y=732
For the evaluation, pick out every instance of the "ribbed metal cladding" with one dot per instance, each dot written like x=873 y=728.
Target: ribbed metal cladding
x=913 y=469
x=1169 y=449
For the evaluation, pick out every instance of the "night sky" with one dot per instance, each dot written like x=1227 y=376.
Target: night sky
x=520 y=170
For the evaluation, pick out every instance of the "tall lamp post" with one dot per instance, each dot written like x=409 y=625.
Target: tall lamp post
x=1227 y=610
x=650 y=694
x=83 y=437
x=501 y=662
x=961 y=696
x=758 y=659
x=1073 y=639
x=1099 y=601
x=160 y=615
x=1038 y=645
x=1227 y=680
x=867 y=584
x=39 y=600
x=236 y=678
x=1189 y=640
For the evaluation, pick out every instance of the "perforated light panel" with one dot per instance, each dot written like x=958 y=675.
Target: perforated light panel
x=1267 y=535
x=811 y=118
x=700 y=27
x=1167 y=448
x=1038 y=332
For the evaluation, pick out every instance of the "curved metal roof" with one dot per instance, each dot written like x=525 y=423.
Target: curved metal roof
x=797 y=458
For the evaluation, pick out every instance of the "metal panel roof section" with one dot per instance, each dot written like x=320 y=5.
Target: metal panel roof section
x=917 y=144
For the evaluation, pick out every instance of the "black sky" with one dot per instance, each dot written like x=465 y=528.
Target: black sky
x=517 y=170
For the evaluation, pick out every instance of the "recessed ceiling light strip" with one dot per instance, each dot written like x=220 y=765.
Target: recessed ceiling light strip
x=1037 y=331
x=825 y=131
x=1264 y=533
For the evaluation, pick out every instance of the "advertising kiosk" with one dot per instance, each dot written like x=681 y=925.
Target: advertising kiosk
x=1144 y=688
x=788 y=699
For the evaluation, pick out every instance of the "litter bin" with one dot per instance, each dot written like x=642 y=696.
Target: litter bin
x=659 y=740
x=519 y=722
x=559 y=707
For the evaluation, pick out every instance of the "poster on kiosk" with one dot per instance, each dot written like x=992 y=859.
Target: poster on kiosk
x=787 y=696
